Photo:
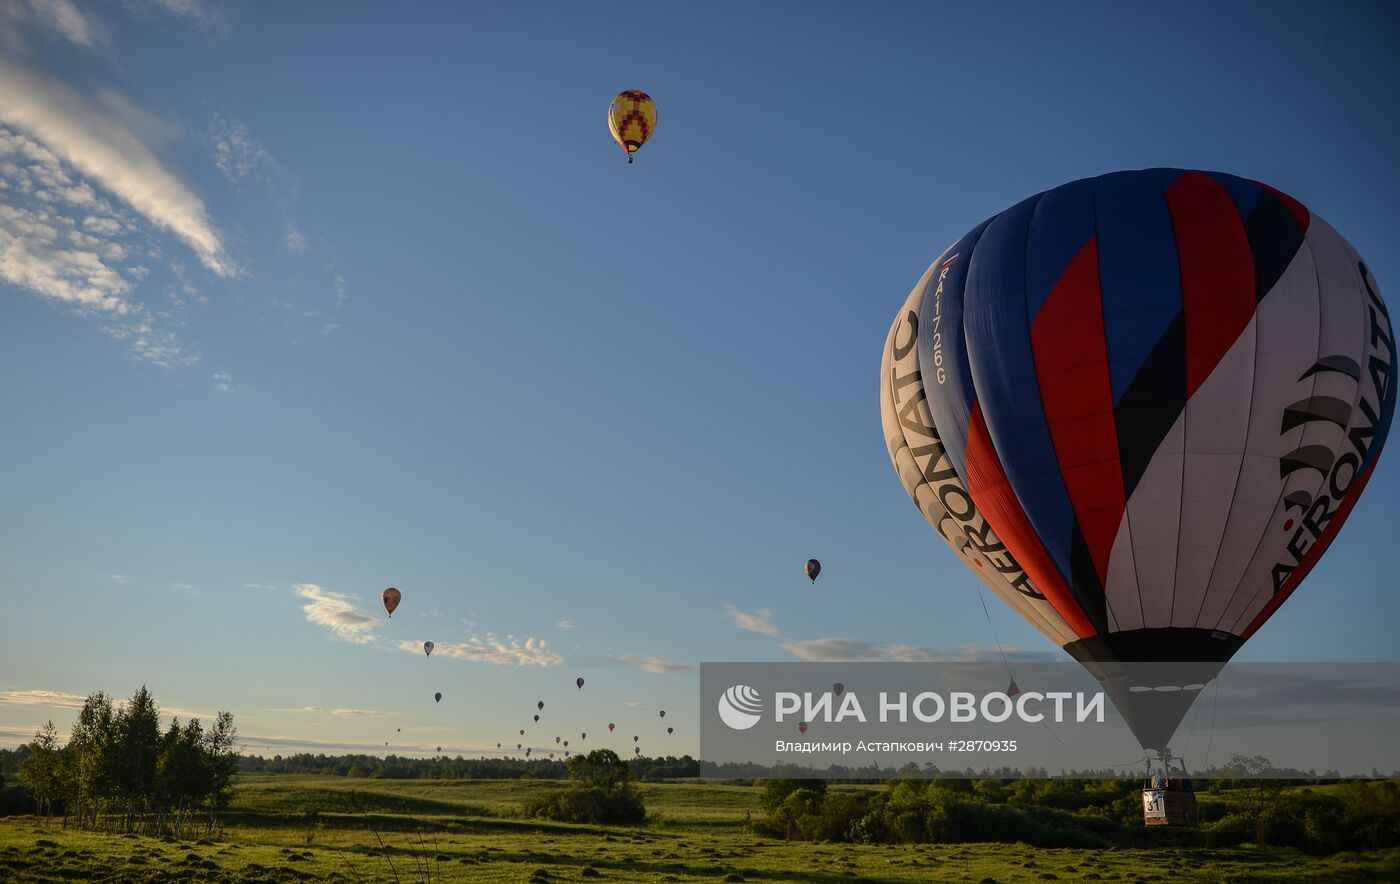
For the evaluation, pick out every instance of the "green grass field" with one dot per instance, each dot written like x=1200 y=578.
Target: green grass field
x=293 y=828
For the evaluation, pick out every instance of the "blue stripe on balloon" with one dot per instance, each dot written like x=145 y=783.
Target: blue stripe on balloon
x=950 y=402
x=1062 y=223
x=1245 y=193
x=1003 y=368
x=1139 y=273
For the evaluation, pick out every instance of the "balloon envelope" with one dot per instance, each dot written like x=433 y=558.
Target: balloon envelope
x=428 y=648
x=391 y=598
x=437 y=697
x=813 y=568
x=631 y=120
x=1139 y=408
x=838 y=689
x=579 y=682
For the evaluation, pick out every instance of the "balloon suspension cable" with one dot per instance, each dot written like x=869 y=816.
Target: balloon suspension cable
x=1056 y=737
x=1215 y=701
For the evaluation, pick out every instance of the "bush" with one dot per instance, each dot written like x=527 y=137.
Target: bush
x=600 y=793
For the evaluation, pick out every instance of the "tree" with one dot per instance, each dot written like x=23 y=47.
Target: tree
x=140 y=751
x=42 y=770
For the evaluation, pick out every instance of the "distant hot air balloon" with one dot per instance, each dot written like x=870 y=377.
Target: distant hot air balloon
x=398 y=729
x=838 y=689
x=518 y=745
x=813 y=568
x=670 y=730
x=537 y=718
x=1122 y=403
x=428 y=648
x=663 y=713
x=556 y=739
x=391 y=600
x=498 y=745
x=522 y=732
x=802 y=727
x=566 y=743
x=540 y=705
x=437 y=697
x=1012 y=690
x=579 y=682
x=583 y=736
x=439 y=750
x=631 y=119
x=634 y=739
x=611 y=726
x=638 y=750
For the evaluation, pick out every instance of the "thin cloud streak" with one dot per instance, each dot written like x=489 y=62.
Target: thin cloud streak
x=502 y=652
x=652 y=664
x=757 y=621
x=846 y=650
x=336 y=612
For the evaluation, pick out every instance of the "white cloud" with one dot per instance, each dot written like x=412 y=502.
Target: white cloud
x=337 y=613
x=59 y=16
x=503 y=652
x=757 y=621
x=95 y=140
x=237 y=154
x=566 y=624
x=210 y=17
x=184 y=586
x=223 y=381
x=363 y=713
x=42 y=698
x=300 y=710
x=846 y=650
x=121 y=578
x=292 y=240
x=652 y=664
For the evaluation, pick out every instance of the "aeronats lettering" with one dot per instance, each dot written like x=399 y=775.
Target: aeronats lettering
x=957 y=706
x=1314 y=513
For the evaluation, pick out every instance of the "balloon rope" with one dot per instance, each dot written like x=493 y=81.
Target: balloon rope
x=1215 y=701
x=993 y=629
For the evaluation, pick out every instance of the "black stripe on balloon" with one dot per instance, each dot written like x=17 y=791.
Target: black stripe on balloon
x=1274 y=238
x=1152 y=403
x=1084 y=582
x=1316 y=408
x=1338 y=363
x=1309 y=457
x=1179 y=644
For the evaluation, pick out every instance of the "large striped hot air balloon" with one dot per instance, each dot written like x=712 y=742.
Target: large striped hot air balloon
x=1140 y=407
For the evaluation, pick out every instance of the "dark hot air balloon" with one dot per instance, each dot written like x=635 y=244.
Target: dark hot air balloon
x=428 y=649
x=813 y=568
x=437 y=698
x=579 y=682
x=391 y=597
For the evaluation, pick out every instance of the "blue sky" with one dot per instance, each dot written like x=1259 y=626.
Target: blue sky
x=299 y=301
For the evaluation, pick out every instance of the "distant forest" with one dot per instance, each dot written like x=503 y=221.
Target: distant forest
x=397 y=767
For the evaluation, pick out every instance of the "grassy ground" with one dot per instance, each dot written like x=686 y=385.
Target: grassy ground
x=321 y=828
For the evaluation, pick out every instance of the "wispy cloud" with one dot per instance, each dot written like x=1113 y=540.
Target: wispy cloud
x=59 y=17
x=96 y=141
x=209 y=17
x=292 y=239
x=42 y=698
x=566 y=624
x=363 y=713
x=223 y=381
x=120 y=578
x=336 y=612
x=237 y=154
x=846 y=650
x=509 y=651
x=652 y=664
x=300 y=710
x=756 y=621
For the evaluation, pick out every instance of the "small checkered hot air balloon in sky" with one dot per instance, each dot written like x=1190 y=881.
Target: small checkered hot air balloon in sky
x=632 y=119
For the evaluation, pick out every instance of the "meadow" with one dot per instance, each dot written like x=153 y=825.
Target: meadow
x=327 y=828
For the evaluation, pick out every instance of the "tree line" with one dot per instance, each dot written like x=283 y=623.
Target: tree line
x=441 y=767
x=119 y=771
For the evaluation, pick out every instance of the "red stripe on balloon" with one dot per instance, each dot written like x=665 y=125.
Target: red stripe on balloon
x=990 y=490
x=1071 y=366
x=1217 y=272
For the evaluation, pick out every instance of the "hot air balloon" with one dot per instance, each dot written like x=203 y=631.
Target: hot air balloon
x=437 y=698
x=537 y=718
x=391 y=597
x=611 y=726
x=813 y=569
x=637 y=750
x=498 y=745
x=439 y=750
x=1140 y=407
x=802 y=727
x=522 y=732
x=583 y=736
x=631 y=119
x=398 y=730
x=670 y=730
x=579 y=682
x=556 y=739
x=634 y=739
x=428 y=649
x=838 y=689
x=566 y=744
x=540 y=705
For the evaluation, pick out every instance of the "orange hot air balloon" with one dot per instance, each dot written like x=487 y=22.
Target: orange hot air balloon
x=392 y=597
x=632 y=119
